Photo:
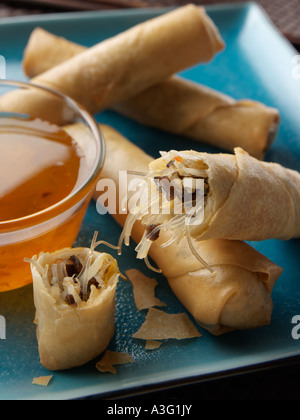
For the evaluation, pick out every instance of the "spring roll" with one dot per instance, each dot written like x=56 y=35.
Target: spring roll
x=74 y=296
x=175 y=105
x=187 y=108
x=237 y=295
x=243 y=197
x=128 y=63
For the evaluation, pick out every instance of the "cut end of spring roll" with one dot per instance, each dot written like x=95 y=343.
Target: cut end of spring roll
x=74 y=296
x=206 y=196
x=45 y=50
x=170 y=198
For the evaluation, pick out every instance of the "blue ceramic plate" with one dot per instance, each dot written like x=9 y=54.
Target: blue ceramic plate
x=258 y=64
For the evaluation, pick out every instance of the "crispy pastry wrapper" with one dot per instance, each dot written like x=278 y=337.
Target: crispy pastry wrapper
x=175 y=105
x=143 y=290
x=110 y=359
x=189 y=109
x=236 y=296
x=126 y=64
x=248 y=199
x=71 y=334
x=42 y=380
x=160 y=325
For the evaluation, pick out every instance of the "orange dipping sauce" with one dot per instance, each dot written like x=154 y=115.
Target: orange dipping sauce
x=40 y=166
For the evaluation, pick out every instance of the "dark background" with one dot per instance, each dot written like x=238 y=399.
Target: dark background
x=270 y=382
x=284 y=13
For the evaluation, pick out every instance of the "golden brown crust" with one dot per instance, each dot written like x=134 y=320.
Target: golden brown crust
x=175 y=105
x=176 y=40
x=263 y=203
x=237 y=296
x=192 y=110
x=248 y=199
x=37 y=60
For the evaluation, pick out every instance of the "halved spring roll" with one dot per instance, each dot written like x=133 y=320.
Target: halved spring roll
x=242 y=198
x=126 y=64
x=175 y=105
x=237 y=295
x=74 y=296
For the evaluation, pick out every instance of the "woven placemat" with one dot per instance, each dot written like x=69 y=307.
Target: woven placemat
x=284 y=13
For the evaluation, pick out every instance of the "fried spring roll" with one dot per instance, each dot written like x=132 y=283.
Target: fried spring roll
x=126 y=64
x=175 y=105
x=244 y=198
x=74 y=296
x=237 y=295
x=187 y=108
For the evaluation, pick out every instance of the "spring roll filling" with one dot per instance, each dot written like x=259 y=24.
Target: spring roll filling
x=74 y=279
x=165 y=194
x=65 y=278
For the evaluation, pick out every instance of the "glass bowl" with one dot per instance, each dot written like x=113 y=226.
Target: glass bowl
x=57 y=226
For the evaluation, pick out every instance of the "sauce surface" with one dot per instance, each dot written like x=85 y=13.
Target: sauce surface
x=40 y=166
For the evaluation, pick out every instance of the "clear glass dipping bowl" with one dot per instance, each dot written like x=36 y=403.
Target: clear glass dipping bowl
x=58 y=226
